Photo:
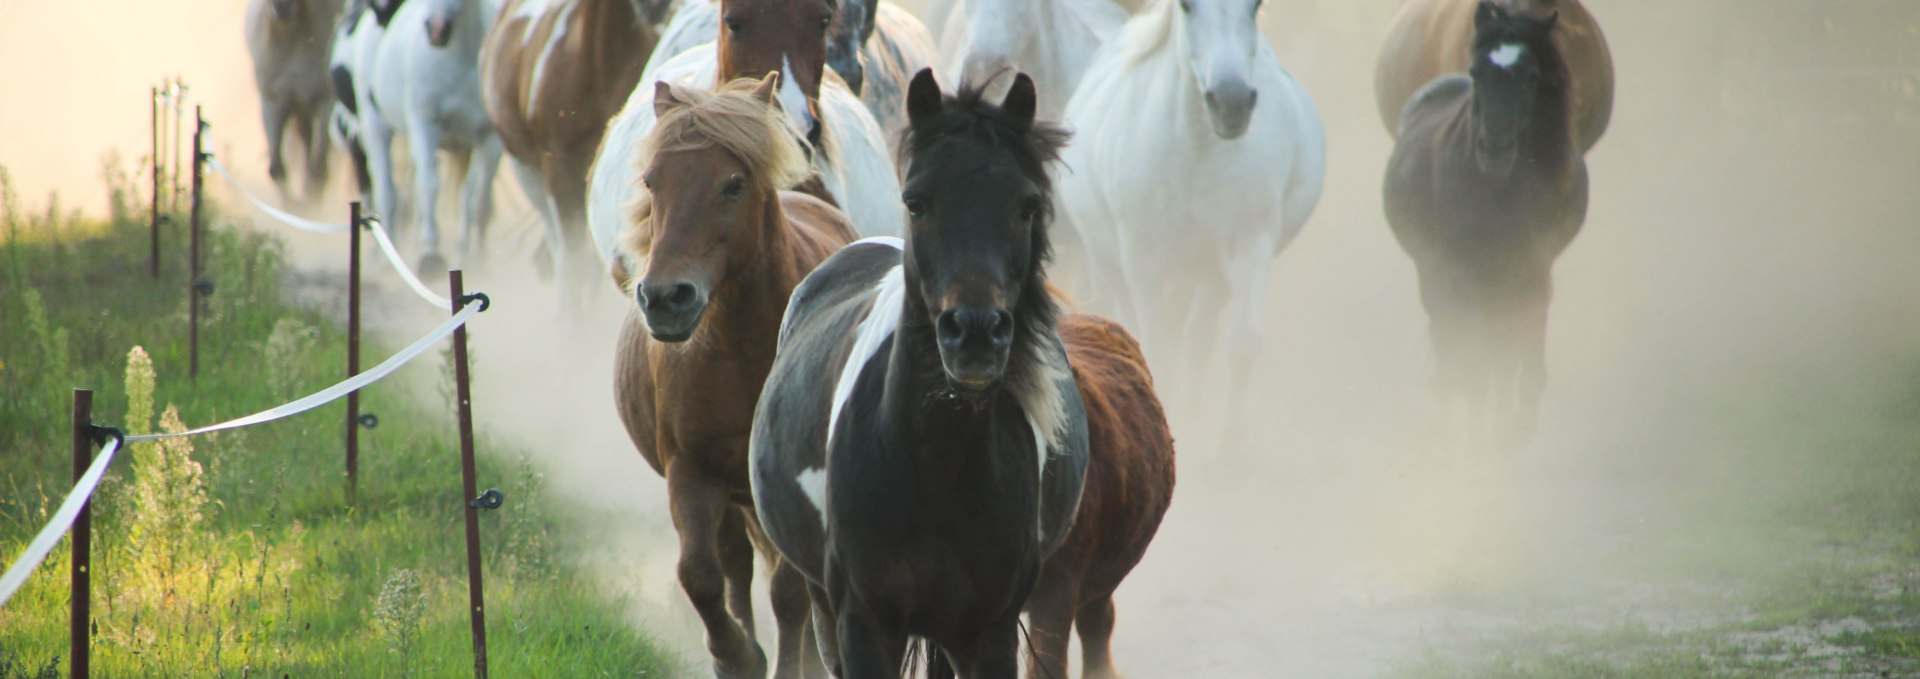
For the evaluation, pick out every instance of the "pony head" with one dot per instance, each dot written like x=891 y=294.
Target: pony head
x=788 y=36
x=1223 y=39
x=848 y=38
x=1513 y=53
x=979 y=201
x=714 y=162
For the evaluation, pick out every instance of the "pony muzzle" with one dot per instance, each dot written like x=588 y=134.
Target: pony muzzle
x=673 y=310
x=974 y=344
x=1230 y=104
x=439 y=30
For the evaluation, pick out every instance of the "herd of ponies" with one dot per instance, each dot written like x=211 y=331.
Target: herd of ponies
x=832 y=220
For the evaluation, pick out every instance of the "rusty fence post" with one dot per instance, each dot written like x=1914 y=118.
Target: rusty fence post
x=468 y=484
x=194 y=284
x=79 y=607
x=153 y=214
x=353 y=351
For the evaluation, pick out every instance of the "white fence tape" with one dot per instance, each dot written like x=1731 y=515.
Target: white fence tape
x=63 y=518
x=393 y=257
x=304 y=224
x=290 y=219
x=69 y=510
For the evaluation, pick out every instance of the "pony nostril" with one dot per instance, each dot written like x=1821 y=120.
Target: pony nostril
x=1002 y=332
x=681 y=295
x=1212 y=100
x=1253 y=97
x=948 y=327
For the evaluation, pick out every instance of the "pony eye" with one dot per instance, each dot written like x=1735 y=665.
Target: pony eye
x=916 y=208
x=1030 y=210
x=1186 y=6
x=826 y=22
x=735 y=186
x=733 y=24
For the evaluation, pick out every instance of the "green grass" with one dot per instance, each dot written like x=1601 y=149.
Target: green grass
x=273 y=573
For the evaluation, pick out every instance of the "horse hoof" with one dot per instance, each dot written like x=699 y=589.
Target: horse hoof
x=754 y=666
x=433 y=266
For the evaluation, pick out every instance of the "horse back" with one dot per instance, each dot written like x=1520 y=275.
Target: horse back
x=788 y=447
x=1130 y=455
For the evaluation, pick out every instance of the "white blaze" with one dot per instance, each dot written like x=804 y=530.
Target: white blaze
x=793 y=99
x=1506 y=55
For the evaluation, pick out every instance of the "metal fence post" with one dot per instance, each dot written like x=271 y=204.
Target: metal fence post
x=353 y=351
x=468 y=484
x=79 y=607
x=193 y=281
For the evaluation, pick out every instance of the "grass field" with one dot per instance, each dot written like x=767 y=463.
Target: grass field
x=237 y=554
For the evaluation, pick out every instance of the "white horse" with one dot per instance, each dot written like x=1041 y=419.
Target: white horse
x=1182 y=189
x=1052 y=41
x=850 y=154
x=423 y=81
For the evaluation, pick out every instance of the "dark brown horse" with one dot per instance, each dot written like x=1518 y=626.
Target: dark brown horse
x=725 y=247
x=1485 y=189
x=551 y=75
x=1130 y=472
x=1432 y=38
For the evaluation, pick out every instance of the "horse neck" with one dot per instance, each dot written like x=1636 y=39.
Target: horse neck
x=610 y=27
x=762 y=270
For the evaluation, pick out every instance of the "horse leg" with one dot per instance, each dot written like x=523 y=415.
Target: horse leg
x=1530 y=352
x=1247 y=269
x=995 y=655
x=868 y=649
x=789 y=594
x=1095 y=623
x=826 y=631
x=274 y=116
x=699 y=507
x=736 y=562
x=1050 y=611
x=534 y=185
x=423 y=140
x=313 y=133
x=477 y=196
x=572 y=254
x=377 y=142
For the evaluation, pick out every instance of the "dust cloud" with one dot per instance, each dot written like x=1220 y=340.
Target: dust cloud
x=1747 y=266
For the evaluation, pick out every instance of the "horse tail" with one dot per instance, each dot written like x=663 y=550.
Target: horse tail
x=922 y=652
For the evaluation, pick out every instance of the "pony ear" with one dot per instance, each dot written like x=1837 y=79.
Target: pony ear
x=1547 y=24
x=769 y=89
x=1022 y=101
x=665 y=98
x=924 y=99
x=1489 y=12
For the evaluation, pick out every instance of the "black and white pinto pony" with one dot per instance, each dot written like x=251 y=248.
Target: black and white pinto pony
x=920 y=446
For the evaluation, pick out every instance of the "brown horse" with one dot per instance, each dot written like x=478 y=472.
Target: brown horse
x=1130 y=472
x=1485 y=188
x=725 y=247
x=1432 y=38
x=552 y=74
x=288 y=40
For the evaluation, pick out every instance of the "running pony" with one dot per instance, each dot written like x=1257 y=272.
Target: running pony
x=1485 y=188
x=724 y=250
x=920 y=448
x=1199 y=160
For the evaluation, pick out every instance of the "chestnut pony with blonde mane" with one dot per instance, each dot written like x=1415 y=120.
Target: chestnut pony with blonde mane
x=723 y=247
